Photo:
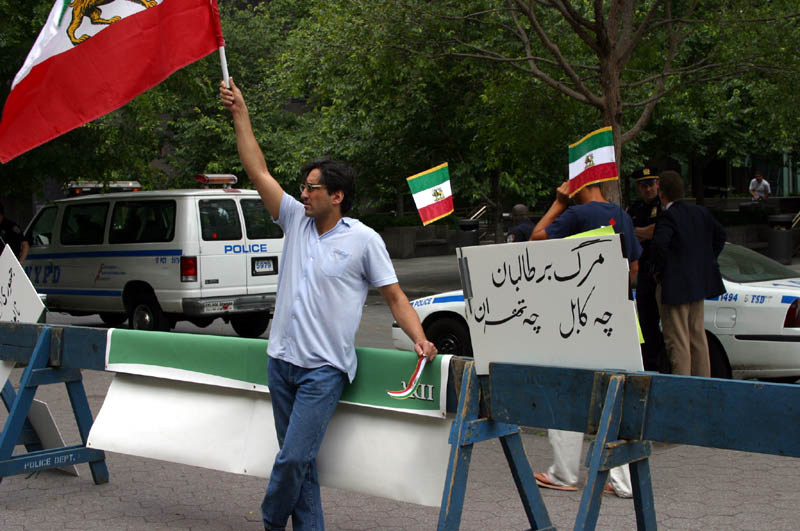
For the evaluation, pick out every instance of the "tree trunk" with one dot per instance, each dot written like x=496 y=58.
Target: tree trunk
x=497 y=192
x=612 y=115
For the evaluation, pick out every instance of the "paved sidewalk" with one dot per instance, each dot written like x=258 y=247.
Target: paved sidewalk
x=695 y=488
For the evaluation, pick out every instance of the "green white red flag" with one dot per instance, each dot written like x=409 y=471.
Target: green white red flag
x=94 y=56
x=592 y=160
x=432 y=193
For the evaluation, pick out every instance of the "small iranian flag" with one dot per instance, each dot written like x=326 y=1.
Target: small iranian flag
x=94 y=56
x=592 y=160
x=432 y=194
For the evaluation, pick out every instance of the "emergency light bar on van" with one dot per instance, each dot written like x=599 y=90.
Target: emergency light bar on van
x=95 y=187
x=225 y=179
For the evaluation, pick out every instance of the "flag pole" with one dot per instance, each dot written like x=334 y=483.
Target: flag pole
x=224 y=63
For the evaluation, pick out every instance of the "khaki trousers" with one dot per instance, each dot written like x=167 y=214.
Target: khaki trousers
x=685 y=337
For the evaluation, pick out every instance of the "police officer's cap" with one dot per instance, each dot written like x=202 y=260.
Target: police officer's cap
x=645 y=175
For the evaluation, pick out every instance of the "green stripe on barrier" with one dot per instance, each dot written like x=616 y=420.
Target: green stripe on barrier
x=245 y=360
x=228 y=357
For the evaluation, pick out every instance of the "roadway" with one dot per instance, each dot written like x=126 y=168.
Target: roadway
x=695 y=488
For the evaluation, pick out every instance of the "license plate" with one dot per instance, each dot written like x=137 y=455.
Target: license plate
x=263 y=266
x=217 y=306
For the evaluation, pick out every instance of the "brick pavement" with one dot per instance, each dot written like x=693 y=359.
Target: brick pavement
x=695 y=488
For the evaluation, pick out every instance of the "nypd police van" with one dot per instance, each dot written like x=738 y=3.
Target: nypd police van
x=158 y=257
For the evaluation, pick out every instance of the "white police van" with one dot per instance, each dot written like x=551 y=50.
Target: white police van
x=158 y=257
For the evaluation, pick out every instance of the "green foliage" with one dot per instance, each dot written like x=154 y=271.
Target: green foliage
x=377 y=83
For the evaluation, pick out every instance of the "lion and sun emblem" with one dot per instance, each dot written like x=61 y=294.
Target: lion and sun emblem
x=91 y=10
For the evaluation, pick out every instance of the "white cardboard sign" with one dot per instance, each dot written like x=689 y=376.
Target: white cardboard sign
x=19 y=303
x=556 y=302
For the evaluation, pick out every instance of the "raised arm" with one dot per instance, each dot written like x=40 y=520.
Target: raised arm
x=559 y=205
x=249 y=152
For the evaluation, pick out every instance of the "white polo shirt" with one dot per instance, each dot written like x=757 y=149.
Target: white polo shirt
x=322 y=285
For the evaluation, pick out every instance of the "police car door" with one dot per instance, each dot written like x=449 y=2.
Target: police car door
x=264 y=245
x=222 y=259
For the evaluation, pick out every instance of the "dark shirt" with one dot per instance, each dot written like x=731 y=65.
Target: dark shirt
x=644 y=214
x=11 y=235
x=521 y=232
x=593 y=215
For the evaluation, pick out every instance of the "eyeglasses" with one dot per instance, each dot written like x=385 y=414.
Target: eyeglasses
x=310 y=187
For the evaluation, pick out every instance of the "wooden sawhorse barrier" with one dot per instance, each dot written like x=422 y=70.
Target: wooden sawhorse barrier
x=52 y=355
x=626 y=411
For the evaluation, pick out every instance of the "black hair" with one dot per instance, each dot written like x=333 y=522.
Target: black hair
x=336 y=175
x=2 y=210
x=671 y=185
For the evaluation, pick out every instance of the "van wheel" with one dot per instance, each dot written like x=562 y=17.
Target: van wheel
x=146 y=314
x=113 y=319
x=250 y=324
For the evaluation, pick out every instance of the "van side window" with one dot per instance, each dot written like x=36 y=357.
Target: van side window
x=219 y=220
x=142 y=222
x=257 y=220
x=40 y=233
x=84 y=224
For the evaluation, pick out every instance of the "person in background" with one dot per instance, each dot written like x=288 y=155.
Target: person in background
x=759 y=187
x=561 y=220
x=644 y=212
x=686 y=243
x=12 y=235
x=521 y=224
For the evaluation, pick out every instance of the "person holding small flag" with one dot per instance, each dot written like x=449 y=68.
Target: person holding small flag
x=592 y=162
x=329 y=261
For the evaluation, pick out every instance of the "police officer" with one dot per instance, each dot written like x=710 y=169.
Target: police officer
x=644 y=212
x=11 y=234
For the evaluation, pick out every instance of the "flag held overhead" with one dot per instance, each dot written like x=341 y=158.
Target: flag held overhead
x=432 y=193
x=592 y=160
x=94 y=56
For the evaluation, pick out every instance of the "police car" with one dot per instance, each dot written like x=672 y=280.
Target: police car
x=753 y=329
x=158 y=257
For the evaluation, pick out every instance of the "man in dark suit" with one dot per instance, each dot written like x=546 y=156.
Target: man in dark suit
x=684 y=250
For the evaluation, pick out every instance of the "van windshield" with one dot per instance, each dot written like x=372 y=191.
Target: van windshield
x=40 y=233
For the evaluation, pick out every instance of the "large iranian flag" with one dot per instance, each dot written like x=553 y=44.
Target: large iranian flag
x=592 y=160
x=432 y=193
x=93 y=56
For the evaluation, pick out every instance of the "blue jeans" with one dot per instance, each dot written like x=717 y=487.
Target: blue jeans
x=303 y=402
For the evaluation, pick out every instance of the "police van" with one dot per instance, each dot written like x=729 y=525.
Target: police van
x=158 y=257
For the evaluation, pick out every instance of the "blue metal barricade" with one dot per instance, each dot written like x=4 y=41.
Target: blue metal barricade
x=52 y=355
x=626 y=411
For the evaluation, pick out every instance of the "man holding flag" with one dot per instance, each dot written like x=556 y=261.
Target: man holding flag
x=328 y=263
x=592 y=162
